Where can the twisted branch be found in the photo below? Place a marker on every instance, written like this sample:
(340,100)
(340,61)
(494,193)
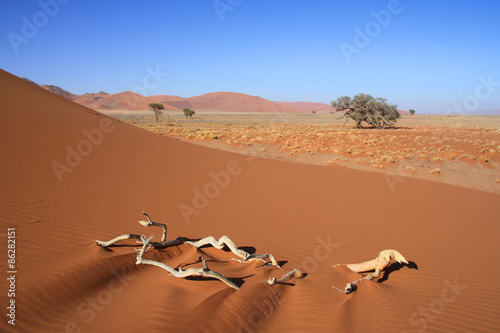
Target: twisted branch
(224,240)
(180,273)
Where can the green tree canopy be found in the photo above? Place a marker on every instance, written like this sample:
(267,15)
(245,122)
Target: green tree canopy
(365,108)
(188,113)
(157,108)
(412,112)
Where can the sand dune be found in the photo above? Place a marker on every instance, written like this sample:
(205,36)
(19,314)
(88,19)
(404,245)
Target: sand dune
(71,175)
(126,100)
(227,101)
(307,106)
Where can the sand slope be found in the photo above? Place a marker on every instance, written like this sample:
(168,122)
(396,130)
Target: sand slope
(310,217)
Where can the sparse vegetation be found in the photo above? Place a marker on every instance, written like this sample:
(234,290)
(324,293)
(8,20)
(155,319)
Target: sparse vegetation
(409,168)
(412,112)
(422,146)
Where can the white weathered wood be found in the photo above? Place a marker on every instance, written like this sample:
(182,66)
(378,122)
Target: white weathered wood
(117,239)
(224,240)
(294,273)
(149,223)
(180,273)
(378,264)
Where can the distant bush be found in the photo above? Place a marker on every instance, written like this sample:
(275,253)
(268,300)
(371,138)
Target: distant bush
(188,113)
(365,108)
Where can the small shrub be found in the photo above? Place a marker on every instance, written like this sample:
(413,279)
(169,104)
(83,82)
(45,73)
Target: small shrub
(409,168)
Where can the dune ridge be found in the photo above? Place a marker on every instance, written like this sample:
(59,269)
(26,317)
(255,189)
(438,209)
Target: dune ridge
(308,216)
(228,102)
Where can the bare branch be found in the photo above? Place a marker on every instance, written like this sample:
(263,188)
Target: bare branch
(149,223)
(180,273)
(224,240)
(295,273)
(117,239)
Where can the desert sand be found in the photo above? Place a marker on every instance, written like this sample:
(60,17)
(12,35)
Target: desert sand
(71,175)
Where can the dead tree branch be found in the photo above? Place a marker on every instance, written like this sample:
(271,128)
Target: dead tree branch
(224,240)
(295,273)
(148,223)
(378,264)
(180,273)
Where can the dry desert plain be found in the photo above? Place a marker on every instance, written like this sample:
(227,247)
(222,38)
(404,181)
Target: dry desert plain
(459,150)
(71,176)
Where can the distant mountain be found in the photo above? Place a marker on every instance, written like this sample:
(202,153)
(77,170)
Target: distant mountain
(59,91)
(307,106)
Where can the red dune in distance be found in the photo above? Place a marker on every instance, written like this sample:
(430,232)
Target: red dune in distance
(308,106)
(227,101)
(216,101)
(126,100)
(309,217)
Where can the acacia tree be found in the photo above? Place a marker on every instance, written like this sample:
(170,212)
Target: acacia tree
(365,108)
(157,108)
(188,113)
(412,112)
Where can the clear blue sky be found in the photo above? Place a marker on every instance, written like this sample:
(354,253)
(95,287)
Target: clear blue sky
(428,55)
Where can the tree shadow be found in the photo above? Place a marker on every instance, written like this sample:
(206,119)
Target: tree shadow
(270,264)
(388,128)
(239,281)
(247,249)
(396,267)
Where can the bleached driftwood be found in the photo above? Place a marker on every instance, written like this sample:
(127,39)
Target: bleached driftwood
(378,265)
(294,273)
(180,273)
(148,223)
(116,240)
(224,240)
